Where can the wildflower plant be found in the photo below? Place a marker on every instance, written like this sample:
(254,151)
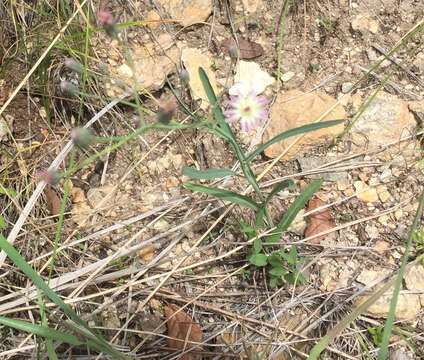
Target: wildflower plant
(250,110)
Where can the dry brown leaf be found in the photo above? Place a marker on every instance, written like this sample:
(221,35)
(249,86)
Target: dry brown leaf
(247,49)
(182,331)
(319,221)
(53,201)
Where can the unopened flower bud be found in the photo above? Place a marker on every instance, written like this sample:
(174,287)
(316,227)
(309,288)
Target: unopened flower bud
(81,137)
(167,110)
(68,88)
(51,177)
(74,65)
(106,20)
(233,52)
(184,76)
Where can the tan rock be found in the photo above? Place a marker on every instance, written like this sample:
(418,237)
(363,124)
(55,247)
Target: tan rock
(152,62)
(251,5)
(381,246)
(343,184)
(407,309)
(298,225)
(384,219)
(188,12)
(295,108)
(336,274)
(80,212)
(365,193)
(383,193)
(372,231)
(193,59)
(368,276)
(414,278)
(365,24)
(387,119)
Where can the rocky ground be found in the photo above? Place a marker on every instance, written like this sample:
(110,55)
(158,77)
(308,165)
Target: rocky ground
(129,221)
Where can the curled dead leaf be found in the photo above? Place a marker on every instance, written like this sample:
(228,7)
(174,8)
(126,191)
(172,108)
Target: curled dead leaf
(247,49)
(319,221)
(182,332)
(53,201)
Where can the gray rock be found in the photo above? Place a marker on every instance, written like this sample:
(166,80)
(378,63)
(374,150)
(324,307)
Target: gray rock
(312,163)
(5,127)
(287,76)
(372,55)
(400,354)
(346,87)
(386,120)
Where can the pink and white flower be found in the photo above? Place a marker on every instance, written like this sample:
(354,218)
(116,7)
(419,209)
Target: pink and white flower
(249,108)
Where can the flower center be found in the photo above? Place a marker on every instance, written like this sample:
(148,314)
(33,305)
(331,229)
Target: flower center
(246,110)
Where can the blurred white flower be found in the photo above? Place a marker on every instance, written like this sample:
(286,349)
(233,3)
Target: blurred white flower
(248,108)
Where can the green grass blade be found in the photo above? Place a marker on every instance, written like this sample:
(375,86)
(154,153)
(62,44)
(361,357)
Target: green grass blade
(207,174)
(293,210)
(39,330)
(216,108)
(20,262)
(292,132)
(277,188)
(383,353)
(224,195)
(44,322)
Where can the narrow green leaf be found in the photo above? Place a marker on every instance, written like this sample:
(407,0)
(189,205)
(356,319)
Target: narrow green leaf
(224,195)
(210,93)
(294,208)
(293,132)
(207,174)
(2,223)
(7,191)
(258,259)
(39,330)
(216,108)
(260,214)
(20,262)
